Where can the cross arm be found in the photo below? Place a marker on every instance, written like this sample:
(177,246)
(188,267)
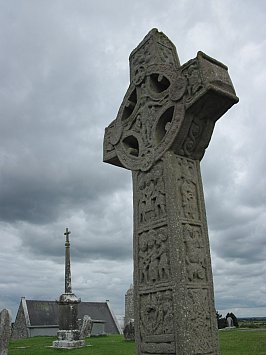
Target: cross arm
(209,95)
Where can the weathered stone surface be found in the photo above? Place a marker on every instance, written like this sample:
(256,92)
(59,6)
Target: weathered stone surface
(129,330)
(5,331)
(68,333)
(68,344)
(68,287)
(19,330)
(86,327)
(161,132)
(129,305)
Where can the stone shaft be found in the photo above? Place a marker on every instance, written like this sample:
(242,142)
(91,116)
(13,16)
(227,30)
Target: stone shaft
(68,315)
(68,333)
(68,287)
(174,307)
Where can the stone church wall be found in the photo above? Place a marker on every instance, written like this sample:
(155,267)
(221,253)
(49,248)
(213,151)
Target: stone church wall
(19,330)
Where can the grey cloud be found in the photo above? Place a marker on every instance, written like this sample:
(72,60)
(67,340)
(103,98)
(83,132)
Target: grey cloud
(64,71)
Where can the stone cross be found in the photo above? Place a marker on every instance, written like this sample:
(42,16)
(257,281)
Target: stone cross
(162,129)
(68,334)
(68,287)
(5,331)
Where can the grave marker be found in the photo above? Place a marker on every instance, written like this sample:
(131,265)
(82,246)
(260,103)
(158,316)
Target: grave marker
(5,331)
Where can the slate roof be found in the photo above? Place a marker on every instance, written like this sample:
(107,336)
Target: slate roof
(46,313)
(42,312)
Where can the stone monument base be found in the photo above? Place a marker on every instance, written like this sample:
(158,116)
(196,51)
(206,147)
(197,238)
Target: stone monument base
(68,344)
(68,339)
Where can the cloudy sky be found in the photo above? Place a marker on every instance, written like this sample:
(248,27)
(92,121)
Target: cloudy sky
(63,74)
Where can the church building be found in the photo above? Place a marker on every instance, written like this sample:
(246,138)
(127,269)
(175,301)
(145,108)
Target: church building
(40,318)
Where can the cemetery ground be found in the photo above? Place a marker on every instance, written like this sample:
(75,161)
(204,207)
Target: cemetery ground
(232,342)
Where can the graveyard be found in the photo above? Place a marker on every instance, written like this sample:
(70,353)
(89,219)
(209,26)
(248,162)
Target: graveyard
(161,132)
(235,342)
(160,137)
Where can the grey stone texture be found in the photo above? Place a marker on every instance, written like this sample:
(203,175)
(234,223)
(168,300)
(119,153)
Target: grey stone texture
(68,333)
(129,330)
(20,329)
(161,132)
(68,287)
(129,305)
(5,331)
(86,327)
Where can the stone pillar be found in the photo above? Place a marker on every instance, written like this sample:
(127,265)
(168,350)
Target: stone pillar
(5,331)
(129,305)
(174,299)
(68,333)
(161,132)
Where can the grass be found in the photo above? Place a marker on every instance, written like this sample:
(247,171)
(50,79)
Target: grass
(108,345)
(233,342)
(237,342)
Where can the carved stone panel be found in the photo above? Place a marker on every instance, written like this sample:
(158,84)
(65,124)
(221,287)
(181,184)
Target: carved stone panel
(191,72)
(156,316)
(154,266)
(195,254)
(199,325)
(151,196)
(187,190)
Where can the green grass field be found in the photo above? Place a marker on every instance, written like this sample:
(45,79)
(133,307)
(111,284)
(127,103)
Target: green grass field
(234,342)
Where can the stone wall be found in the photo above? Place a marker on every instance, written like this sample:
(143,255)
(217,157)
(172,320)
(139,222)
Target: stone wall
(19,330)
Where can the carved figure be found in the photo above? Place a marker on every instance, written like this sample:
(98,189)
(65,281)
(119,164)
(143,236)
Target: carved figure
(143,261)
(154,257)
(160,203)
(188,199)
(187,169)
(149,197)
(168,313)
(152,203)
(194,80)
(157,313)
(195,260)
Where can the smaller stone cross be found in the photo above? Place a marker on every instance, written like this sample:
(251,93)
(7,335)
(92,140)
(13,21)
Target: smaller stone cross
(68,288)
(68,333)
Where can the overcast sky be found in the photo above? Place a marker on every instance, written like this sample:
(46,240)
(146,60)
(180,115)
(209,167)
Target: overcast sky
(63,74)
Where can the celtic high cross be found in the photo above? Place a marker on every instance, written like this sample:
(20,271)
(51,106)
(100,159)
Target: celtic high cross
(161,132)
